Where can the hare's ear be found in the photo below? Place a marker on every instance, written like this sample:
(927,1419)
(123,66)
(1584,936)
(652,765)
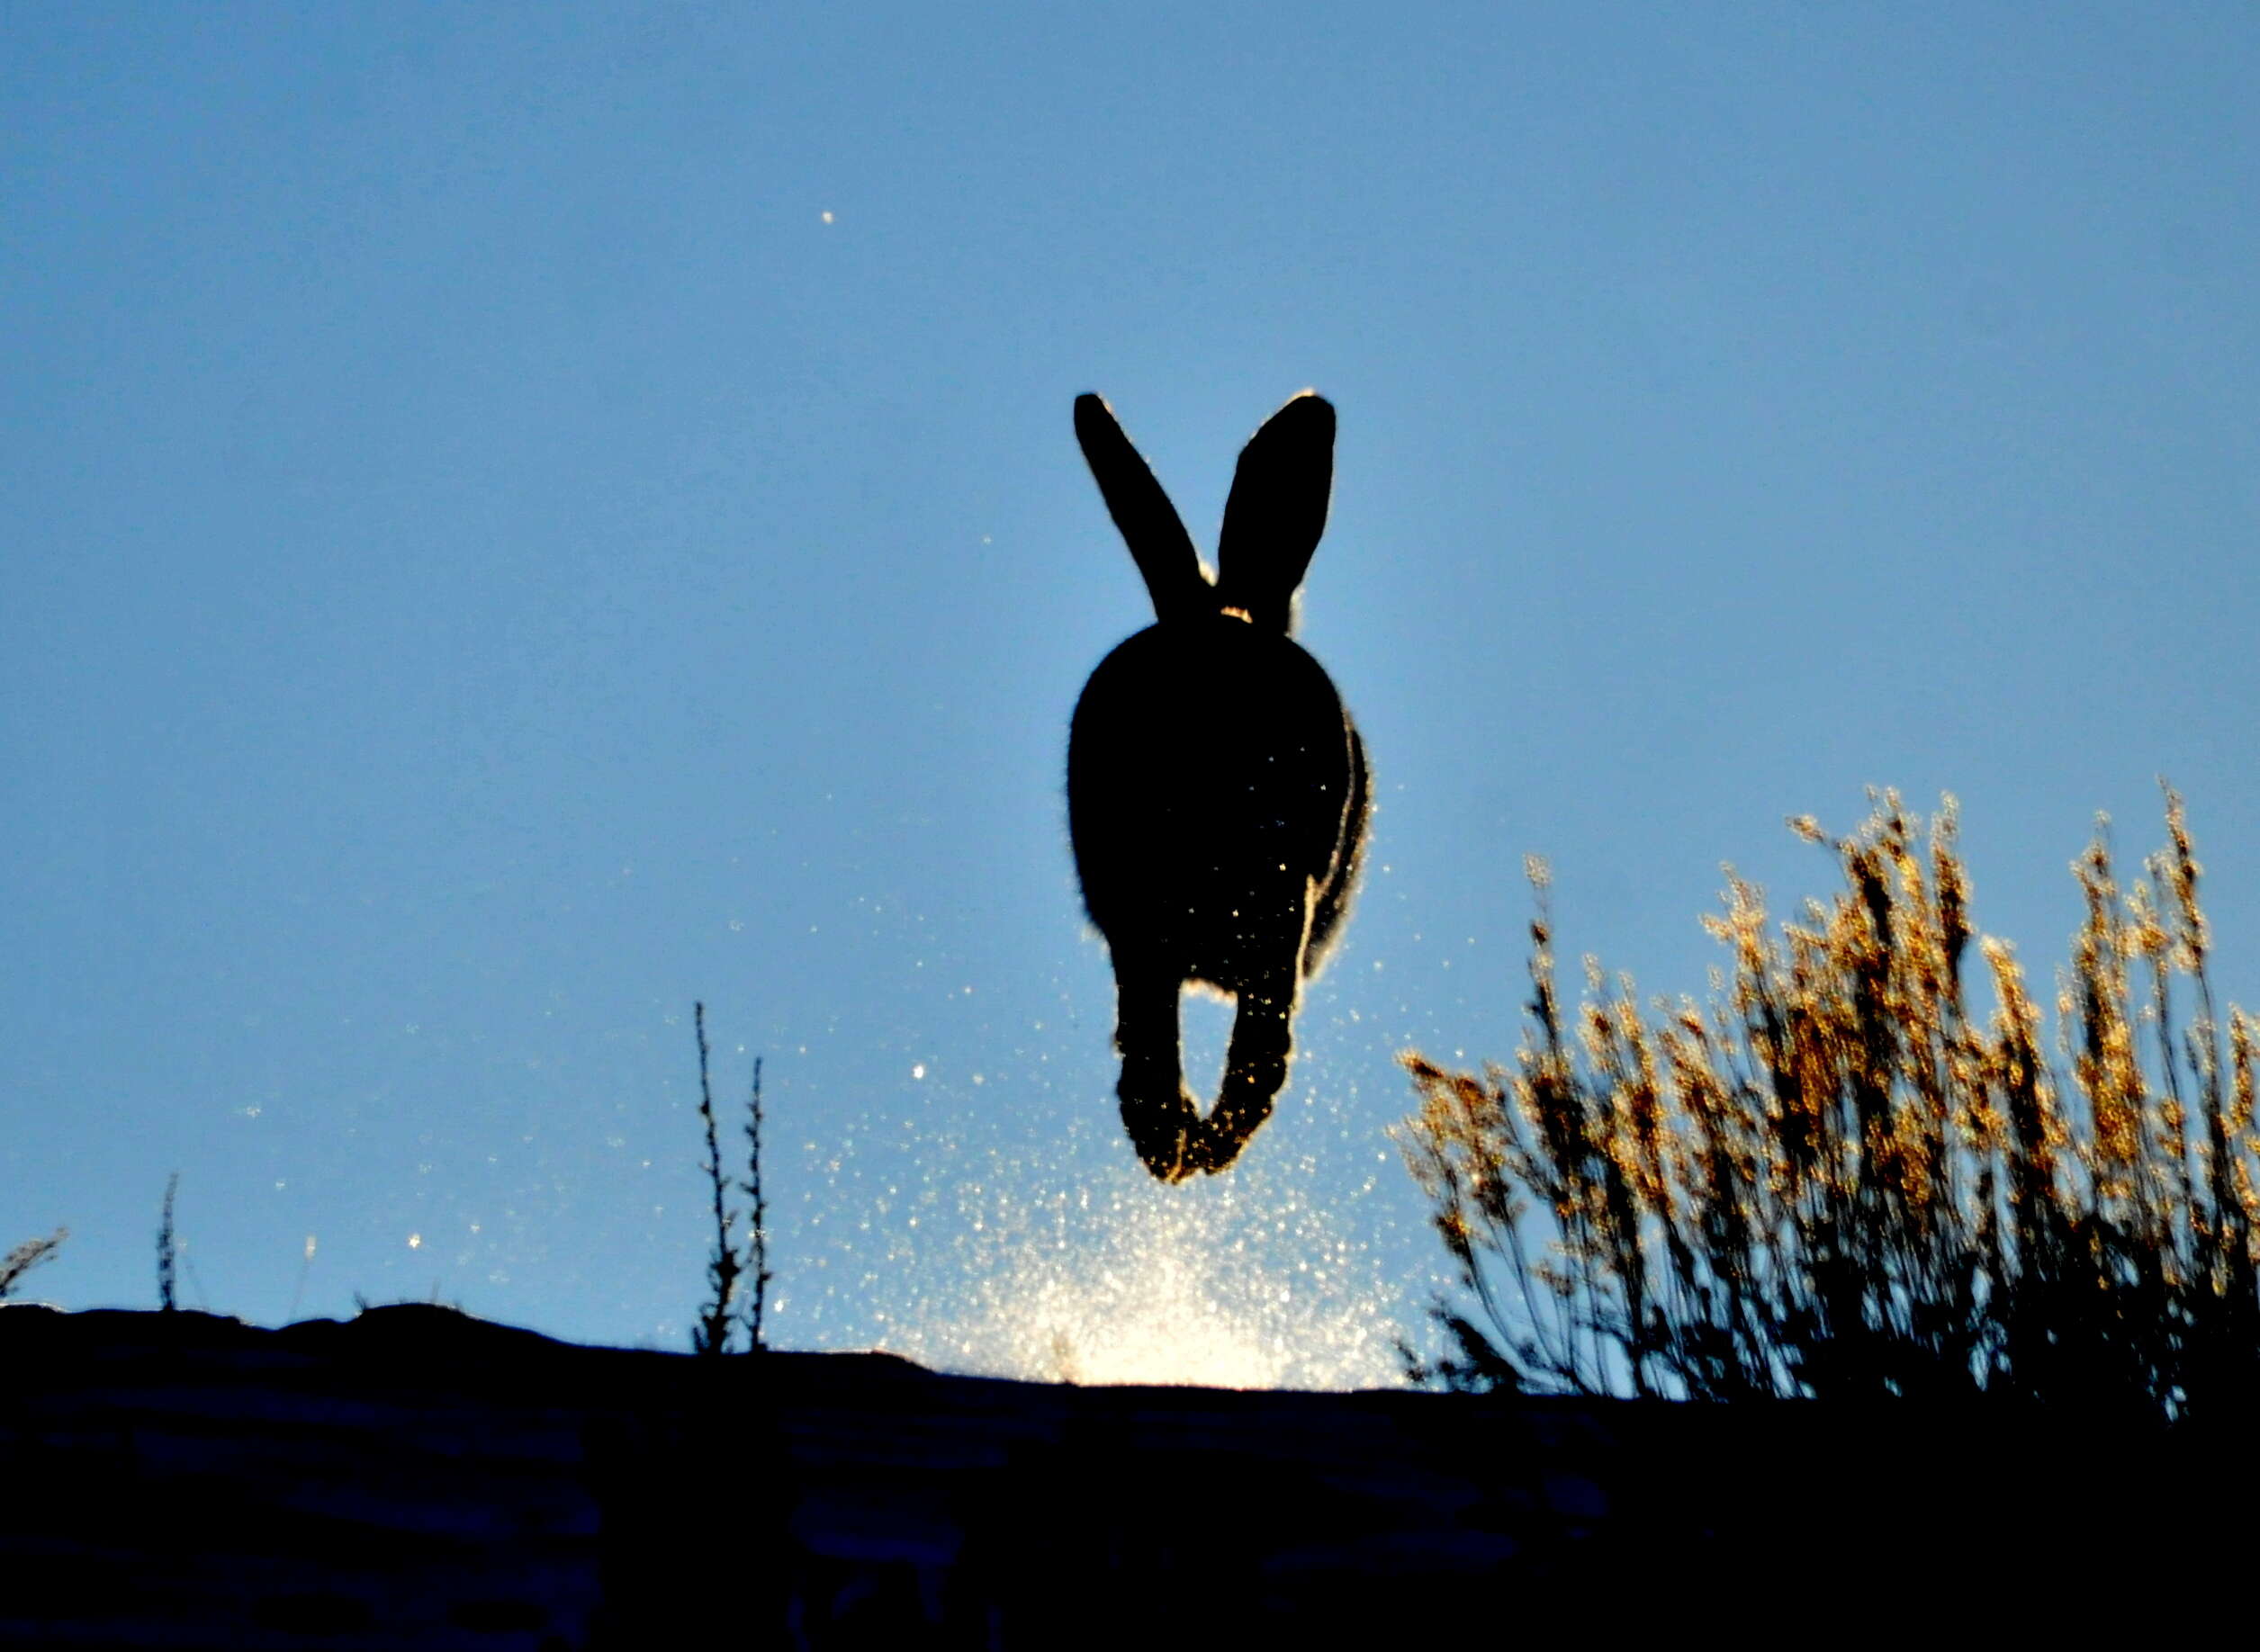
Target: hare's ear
(1148,522)
(1277,511)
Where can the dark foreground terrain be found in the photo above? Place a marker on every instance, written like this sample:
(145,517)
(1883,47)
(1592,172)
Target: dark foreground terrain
(418,1478)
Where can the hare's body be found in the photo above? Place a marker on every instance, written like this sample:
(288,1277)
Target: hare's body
(1205,834)
(1216,788)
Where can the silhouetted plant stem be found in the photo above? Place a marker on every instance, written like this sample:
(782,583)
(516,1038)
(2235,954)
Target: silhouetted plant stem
(757,1240)
(165,1248)
(711,1336)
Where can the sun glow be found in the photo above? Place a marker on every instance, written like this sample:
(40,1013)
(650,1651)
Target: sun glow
(1221,1287)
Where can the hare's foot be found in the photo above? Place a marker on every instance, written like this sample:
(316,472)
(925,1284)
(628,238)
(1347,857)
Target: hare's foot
(1255,1071)
(1220,1137)
(1158,1114)
(1163,1123)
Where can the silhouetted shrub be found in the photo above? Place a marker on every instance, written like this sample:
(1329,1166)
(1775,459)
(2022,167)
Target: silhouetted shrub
(1830,1182)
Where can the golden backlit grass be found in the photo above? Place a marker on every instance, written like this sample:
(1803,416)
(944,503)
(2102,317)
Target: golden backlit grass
(1829,1181)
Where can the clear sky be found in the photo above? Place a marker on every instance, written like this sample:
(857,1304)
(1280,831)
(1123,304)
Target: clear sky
(515,520)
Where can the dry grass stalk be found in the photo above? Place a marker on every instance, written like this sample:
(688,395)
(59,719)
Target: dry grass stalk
(167,1247)
(27,1256)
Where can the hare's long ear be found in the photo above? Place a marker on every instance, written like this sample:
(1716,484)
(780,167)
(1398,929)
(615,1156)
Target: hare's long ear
(1277,511)
(1148,522)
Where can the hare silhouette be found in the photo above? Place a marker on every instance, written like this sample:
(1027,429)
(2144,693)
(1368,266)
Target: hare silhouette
(1217,789)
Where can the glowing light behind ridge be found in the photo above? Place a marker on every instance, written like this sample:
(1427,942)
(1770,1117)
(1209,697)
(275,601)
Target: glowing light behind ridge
(1243,1282)
(1173,1294)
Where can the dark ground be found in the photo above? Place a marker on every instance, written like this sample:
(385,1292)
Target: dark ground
(416,1478)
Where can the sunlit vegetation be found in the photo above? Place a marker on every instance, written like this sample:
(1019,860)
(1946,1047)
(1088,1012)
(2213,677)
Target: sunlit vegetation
(1829,1181)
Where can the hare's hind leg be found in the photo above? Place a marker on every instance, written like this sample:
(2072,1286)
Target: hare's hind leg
(1158,1114)
(1255,1069)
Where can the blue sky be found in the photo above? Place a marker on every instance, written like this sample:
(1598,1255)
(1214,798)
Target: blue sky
(519,518)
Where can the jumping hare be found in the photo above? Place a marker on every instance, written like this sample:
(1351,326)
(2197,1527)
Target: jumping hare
(1217,791)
